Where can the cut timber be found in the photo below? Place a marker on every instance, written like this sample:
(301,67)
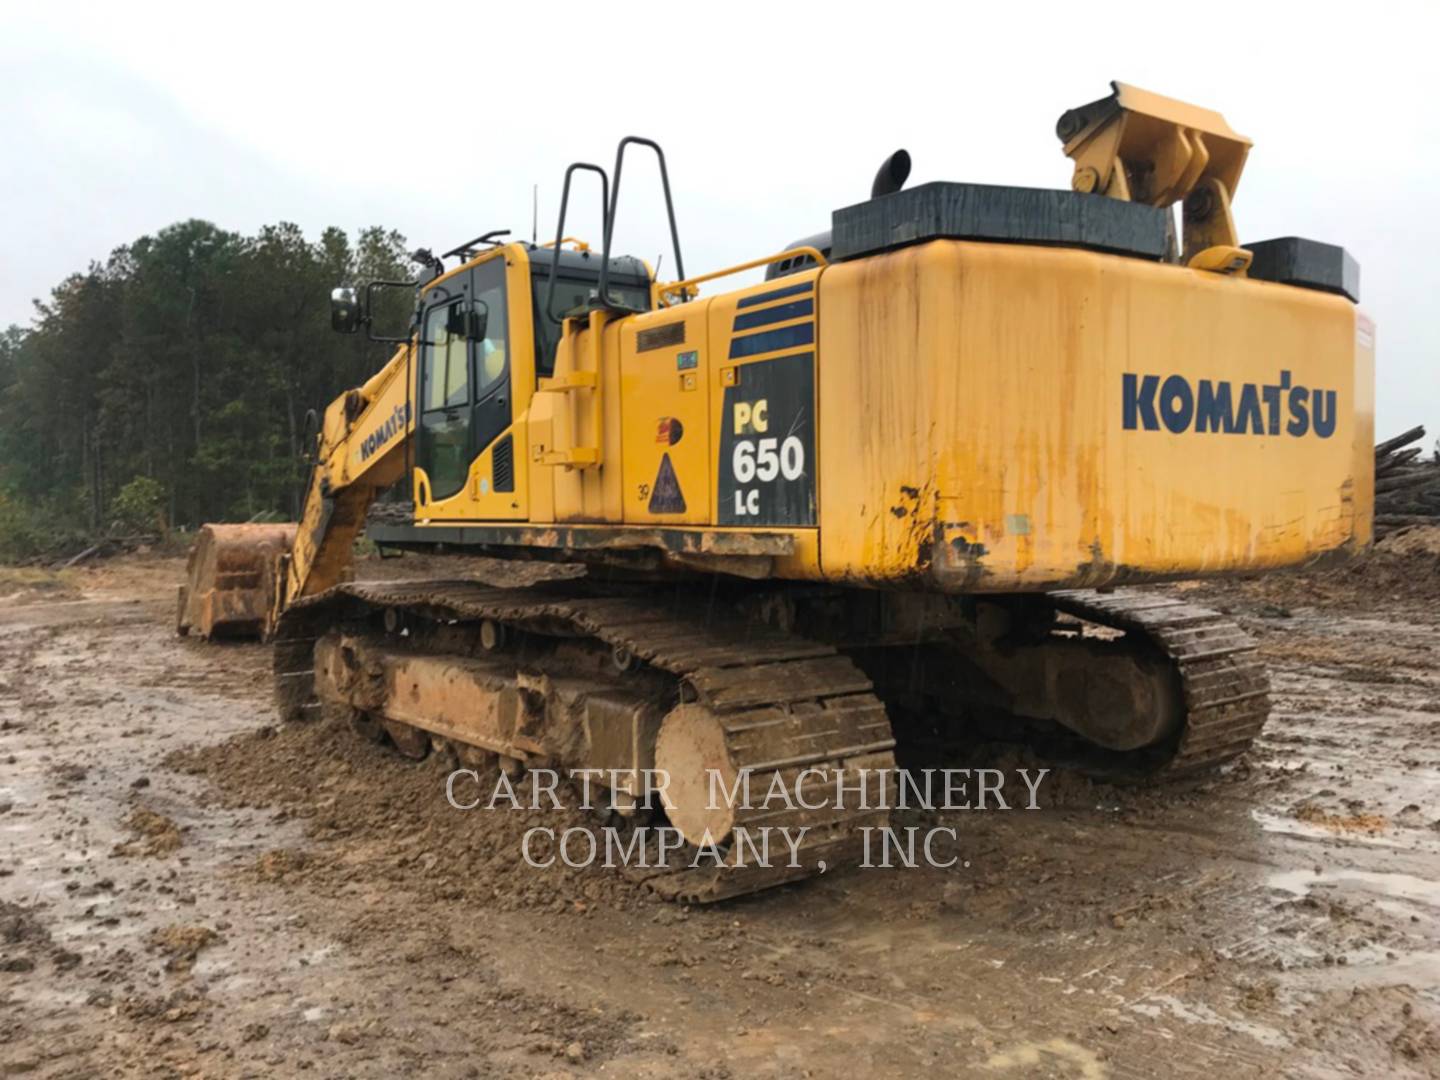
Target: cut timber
(1407,484)
(1405,438)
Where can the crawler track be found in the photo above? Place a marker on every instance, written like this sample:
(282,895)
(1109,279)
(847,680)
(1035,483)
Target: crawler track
(1225,686)
(786,703)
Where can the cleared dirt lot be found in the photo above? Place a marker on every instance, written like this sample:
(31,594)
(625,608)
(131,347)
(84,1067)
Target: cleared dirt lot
(188,888)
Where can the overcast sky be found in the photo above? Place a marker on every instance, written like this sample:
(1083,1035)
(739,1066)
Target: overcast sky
(118,119)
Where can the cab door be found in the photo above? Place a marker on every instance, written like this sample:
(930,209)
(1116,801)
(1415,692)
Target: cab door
(443,451)
(490,377)
(466,467)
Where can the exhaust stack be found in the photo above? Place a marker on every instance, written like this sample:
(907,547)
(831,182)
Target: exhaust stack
(894,171)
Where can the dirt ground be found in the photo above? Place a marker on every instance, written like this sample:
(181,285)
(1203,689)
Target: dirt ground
(189,888)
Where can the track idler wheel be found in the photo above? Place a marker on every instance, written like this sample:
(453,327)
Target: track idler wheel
(690,749)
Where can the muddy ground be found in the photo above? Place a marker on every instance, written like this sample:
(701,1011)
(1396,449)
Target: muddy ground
(189,888)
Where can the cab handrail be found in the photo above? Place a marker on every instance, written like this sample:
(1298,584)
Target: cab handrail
(690,286)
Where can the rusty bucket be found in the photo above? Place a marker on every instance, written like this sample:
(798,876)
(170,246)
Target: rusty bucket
(230,579)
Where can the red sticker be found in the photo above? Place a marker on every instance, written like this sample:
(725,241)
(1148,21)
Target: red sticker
(669,431)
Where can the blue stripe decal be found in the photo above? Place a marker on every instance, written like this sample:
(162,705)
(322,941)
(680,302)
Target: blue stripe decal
(766,297)
(792,310)
(770,340)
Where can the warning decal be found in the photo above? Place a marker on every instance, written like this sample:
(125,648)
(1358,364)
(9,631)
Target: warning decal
(665,497)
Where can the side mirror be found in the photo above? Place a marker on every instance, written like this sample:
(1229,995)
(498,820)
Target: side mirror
(476,322)
(469,323)
(344,310)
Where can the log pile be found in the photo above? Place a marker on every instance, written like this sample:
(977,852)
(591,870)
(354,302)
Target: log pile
(1407,484)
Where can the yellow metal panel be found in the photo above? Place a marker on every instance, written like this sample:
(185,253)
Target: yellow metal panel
(522,333)
(1362,463)
(585,494)
(973,407)
(665,388)
(477,501)
(539,432)
(804,563)
(604,500)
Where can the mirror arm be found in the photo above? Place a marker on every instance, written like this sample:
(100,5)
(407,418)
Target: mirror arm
(367,318)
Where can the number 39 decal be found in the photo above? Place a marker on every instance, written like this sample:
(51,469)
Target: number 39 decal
(760,461)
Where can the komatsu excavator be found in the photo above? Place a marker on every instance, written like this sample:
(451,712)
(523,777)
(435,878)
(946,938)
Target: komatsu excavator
(897,480)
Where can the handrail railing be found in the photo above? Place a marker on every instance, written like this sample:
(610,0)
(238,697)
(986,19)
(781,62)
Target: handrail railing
(614,202)
(689,287)
(560,236)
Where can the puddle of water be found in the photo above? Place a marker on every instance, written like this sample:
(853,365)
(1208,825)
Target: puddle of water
(1399,886)
(1419,970)
(1289,826)
(1158,1005)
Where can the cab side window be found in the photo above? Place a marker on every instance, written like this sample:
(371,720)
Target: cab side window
(446,379)
(491,355)
(445,398)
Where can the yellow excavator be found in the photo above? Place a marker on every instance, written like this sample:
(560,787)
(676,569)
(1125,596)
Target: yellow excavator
(893,486)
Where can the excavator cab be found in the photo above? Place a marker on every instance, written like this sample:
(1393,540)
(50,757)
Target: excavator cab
(487,335)
(471,388)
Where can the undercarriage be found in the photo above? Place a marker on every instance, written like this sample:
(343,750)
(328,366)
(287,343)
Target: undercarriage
(712,690)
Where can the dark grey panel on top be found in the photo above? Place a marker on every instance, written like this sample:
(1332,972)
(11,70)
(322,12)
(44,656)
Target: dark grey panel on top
(943,210)
(1293,260)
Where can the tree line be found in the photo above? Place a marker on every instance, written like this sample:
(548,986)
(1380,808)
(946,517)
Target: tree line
(171,381)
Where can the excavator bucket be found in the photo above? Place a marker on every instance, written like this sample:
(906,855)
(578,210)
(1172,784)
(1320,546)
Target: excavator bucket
(230,580)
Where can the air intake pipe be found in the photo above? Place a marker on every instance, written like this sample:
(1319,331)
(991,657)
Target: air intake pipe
(894,171)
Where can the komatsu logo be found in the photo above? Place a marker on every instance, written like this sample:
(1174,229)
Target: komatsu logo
(392,426)
(1149,401)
